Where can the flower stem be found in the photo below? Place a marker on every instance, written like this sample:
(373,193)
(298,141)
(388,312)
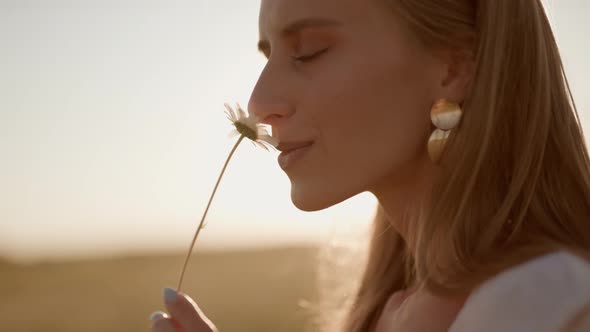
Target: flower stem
(205,214)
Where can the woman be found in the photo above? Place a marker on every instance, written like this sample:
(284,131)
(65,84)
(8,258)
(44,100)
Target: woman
(457,116)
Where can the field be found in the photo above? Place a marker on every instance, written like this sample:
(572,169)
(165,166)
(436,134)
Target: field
(256,290)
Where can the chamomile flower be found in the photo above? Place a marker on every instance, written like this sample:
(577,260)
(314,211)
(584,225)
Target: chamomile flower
(248,125)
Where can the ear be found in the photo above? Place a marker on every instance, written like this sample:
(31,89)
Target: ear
(458,75)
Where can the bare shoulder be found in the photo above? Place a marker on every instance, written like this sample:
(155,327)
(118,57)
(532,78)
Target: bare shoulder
(542,294)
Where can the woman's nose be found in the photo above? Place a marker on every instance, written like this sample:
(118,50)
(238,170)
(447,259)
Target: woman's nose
(268,100)
(270,113)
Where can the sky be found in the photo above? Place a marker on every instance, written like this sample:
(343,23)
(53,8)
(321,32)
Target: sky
(113,132)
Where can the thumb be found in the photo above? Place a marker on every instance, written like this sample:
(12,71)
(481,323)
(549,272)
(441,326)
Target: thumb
(186,312)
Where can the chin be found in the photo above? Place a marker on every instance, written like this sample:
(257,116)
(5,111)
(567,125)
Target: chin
(315,199)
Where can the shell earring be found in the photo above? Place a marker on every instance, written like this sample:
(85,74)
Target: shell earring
(445,115)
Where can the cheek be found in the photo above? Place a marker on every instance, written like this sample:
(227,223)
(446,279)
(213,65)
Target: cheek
(372,117)
(378,108)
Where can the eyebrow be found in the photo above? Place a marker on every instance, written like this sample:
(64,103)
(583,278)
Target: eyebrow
(296,26)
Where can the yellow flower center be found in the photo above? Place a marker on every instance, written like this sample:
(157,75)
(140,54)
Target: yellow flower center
(246,131)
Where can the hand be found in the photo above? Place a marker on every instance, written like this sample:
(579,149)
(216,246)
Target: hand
(185,315)
(418,311)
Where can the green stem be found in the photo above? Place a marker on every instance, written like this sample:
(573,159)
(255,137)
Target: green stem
(205,214)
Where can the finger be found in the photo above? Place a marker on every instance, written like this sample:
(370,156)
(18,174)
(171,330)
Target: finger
(162,323)
(186,312)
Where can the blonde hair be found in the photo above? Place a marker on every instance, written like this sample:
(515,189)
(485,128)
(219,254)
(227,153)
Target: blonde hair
(515,177)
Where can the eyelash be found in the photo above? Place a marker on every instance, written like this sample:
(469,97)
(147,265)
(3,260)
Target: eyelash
(308,58)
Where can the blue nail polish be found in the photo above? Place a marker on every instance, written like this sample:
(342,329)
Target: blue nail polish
(157,315)
(170,295)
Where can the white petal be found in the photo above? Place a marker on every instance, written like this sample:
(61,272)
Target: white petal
(262,145)
(269,139)
(233,134)
(263,131)
(231,112)
(251,123)
(255,118)
(242,113)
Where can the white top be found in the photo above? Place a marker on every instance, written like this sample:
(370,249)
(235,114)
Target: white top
(543,294)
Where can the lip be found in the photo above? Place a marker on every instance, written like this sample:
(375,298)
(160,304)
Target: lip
(292,153)
(290,146)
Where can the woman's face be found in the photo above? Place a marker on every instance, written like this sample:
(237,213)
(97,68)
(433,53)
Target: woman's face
(364,99)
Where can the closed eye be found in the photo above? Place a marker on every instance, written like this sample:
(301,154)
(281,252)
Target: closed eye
(308,58)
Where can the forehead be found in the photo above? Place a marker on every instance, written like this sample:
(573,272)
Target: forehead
(274,14)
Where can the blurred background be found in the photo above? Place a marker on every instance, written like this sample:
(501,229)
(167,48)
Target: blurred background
(112,135)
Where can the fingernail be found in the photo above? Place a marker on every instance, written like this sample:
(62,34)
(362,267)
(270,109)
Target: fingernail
(170,295)
(157,315)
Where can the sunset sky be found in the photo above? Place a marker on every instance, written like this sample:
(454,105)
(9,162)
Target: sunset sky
(112,131)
